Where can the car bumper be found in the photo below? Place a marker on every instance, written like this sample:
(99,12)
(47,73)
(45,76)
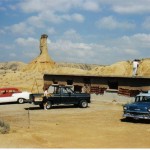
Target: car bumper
(34,102)
(137,116)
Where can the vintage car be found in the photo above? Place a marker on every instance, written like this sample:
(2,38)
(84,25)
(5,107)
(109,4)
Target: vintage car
(13,95)
(61,95)
(140,109)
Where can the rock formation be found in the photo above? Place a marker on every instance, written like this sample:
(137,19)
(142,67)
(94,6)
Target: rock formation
(144,67)
(43,63)
(123,68)
(30,76)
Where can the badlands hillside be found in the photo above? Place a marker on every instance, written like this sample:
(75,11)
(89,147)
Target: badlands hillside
(29,76)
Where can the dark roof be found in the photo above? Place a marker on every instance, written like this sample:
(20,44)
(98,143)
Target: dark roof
(101,76)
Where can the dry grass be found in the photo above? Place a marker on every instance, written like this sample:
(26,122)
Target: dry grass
(4,127)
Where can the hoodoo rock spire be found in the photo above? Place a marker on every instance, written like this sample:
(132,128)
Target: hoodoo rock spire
(43,63)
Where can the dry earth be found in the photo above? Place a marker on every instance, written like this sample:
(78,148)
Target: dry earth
(24,76)
(98,126)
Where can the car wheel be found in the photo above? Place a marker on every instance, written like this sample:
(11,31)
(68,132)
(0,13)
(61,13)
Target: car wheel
(48,105)
(20,100)
(83,104)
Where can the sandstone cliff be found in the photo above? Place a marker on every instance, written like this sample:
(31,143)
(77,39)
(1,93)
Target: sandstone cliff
(123,68)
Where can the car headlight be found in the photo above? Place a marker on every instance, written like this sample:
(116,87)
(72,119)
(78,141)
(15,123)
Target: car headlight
(125,108)
(148,109)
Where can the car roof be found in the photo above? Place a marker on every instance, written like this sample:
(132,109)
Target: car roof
(57,85)
(144,94)
(9,89)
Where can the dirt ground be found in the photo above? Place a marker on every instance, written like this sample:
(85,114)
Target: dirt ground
(98,126)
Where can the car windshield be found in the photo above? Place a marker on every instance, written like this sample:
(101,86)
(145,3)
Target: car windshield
(67,90)
(142,99)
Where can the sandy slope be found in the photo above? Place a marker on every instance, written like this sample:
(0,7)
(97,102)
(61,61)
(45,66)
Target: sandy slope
(25,78)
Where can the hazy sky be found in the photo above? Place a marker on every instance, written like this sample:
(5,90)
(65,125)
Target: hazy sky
(79,31)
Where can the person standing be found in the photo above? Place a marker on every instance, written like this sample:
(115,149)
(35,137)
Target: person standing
(45,98)
(135,67)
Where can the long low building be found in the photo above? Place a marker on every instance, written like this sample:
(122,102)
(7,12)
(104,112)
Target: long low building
(98,84)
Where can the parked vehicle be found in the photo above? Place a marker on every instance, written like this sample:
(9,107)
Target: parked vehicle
(140,109)
(13,95)
(61,95)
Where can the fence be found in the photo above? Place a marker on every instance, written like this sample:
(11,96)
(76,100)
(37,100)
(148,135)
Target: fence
(97,90)
(127,92)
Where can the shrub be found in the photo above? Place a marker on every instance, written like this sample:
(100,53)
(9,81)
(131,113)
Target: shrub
(4,127)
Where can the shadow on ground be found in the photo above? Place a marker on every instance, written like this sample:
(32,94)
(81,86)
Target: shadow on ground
(140,121)
(53,107)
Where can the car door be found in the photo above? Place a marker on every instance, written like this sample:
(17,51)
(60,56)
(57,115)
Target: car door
(6,96)
(68,96)
(56,96)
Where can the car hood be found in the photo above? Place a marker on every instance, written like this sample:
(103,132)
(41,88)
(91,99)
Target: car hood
(138,106)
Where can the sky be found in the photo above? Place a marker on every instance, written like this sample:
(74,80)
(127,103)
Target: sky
(79,31)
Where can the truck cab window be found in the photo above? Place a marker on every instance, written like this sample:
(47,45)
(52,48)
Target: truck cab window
(65,91)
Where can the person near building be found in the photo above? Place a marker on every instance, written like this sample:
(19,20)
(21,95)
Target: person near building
(135,67)
(45,98)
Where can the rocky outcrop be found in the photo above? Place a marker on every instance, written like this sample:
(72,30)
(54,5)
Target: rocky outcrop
(123,68)
(144,67)
(12,66)
(77,65)
(43,63)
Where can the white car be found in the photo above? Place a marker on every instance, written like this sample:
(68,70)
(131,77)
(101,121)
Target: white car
(13,95)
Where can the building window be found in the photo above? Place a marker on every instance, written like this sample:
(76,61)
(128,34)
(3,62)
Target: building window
(77,88)
(69,82)
(113,85)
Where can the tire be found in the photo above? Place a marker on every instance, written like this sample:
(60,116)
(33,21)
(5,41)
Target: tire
(20,100)
(48,105)
(84,104)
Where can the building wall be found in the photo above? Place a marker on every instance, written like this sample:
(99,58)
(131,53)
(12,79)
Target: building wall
(99,82)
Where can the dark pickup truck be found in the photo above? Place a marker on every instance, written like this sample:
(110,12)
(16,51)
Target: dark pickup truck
(61,95)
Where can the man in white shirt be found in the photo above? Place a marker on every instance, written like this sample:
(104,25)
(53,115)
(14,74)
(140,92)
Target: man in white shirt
(45,92)
(45,98)
(135,67)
